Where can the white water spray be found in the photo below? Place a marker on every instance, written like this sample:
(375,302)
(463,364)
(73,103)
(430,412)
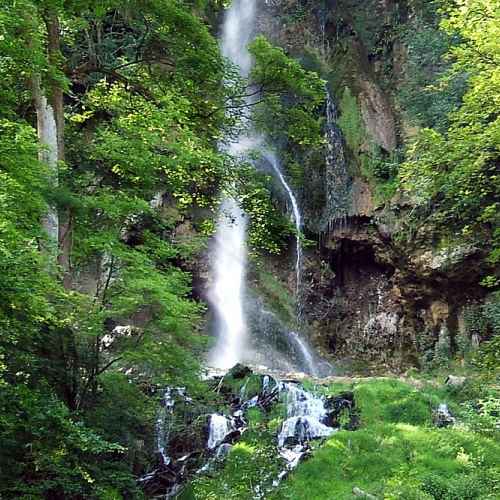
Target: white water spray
(230,249)
(228,289)
(218,428)
(306,414)
(305,353)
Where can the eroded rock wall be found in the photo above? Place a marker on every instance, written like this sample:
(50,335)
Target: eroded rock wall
(374,290)
(388,303)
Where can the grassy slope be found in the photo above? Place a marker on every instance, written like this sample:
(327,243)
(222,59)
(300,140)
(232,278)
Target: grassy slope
(396,454)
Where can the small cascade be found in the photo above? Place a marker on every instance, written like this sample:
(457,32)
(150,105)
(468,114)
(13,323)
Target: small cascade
(337,177)
(169,470)
(442,416)
(300,402)
(218,428)
(306,414)
(183,454)
(162,425)
(309,417)
(301,430)
(164,419)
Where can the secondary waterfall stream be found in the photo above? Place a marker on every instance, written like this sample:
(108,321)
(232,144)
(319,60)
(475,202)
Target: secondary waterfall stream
(228,292)
(338,184)
(297,219)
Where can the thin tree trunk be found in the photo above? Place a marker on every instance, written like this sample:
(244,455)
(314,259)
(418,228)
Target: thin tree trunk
(57,96)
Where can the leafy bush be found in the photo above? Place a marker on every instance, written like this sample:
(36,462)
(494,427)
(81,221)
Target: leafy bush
(483,416)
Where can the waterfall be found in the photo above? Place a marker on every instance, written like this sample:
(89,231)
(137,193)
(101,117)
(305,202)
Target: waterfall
(305,352)
(228,290)
(308,361)
(297,219)
(237,33)
(227,293)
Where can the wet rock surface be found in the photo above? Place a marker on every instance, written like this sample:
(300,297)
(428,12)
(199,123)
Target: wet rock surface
(442,416)
(185,451)
(387,304)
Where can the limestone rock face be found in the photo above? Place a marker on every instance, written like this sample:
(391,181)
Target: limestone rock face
(388,301)
(443,260)
(377,115)
(362,199)
(374,288)
(440,312)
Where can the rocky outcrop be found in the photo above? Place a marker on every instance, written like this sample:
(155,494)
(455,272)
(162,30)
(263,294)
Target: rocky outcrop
(377,114)
(187,449)
(373,289)
(390,301)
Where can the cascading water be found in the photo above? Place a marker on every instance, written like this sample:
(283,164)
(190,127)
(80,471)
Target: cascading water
(297,219)
(228,291)
(305,351)
(230,248)
(218,428)
(306,413)
(305,416)
(308,359)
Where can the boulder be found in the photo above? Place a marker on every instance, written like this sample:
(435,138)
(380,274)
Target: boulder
(239,371)
(342,404)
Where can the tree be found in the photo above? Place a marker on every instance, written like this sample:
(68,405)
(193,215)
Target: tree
(459,168)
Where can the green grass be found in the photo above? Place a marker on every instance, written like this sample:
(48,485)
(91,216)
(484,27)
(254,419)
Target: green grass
(398,454)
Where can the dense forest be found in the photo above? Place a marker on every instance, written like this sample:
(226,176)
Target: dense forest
(308,188)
